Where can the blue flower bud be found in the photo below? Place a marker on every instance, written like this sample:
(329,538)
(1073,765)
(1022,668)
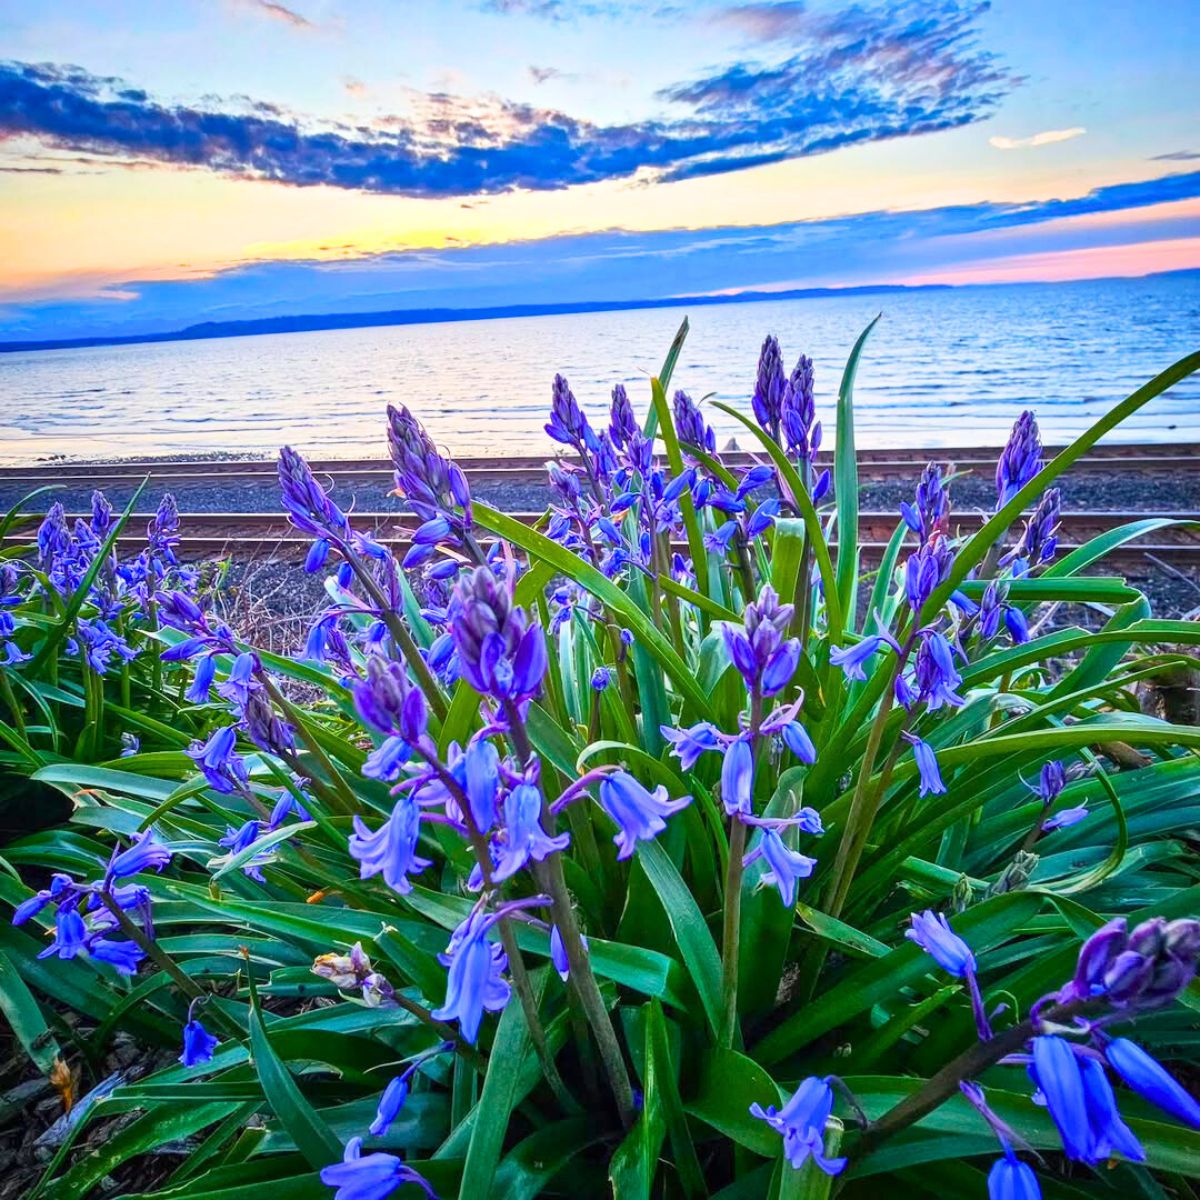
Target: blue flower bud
(1151,1080)
(931,931)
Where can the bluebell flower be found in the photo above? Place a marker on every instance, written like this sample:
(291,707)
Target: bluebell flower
(1151,1080)
(500,653)
(390,1104)
(1055,1070)
(124,956)
(392,850)
(786,865)
(70,935)
(240,681)
(475,981)
(370,1176)
(1110,1134)
(198,1044)
(926,570)
(284,807)
(737,778)
(769,387)
(385,760)
(640,815)
(147,853)
(523,837)
(61,886)
(689,744)
(931,506)
(623,425)
(1018,626)
(935,674)
(201,685)
(601,678)
(222,767)
(1065,818)
(690,424)
(800,428)
(237,840)
(931,931)
(852,658)
(927,766)
(801,1122)
(764,656)
(481,782)
(388,702)
(796,739)
(1012,1179)
(309,507)
(1020,460)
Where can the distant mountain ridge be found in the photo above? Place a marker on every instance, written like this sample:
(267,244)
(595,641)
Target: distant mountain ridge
(307,323)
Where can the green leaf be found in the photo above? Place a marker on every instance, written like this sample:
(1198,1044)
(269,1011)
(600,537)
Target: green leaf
(314,1139)
(529,1167)
(225,863)
(845,471)
(983,926)
(25,1018)
(688,925)
(499,1095)
(664,375)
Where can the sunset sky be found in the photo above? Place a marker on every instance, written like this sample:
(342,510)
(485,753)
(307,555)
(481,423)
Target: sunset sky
(164,164)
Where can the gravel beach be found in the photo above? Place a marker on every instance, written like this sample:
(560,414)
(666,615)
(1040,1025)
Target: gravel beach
(277,601)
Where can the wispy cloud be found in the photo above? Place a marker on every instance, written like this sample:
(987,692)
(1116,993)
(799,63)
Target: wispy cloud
(859,76)
(280,12)
(1047,137)
(1178,156)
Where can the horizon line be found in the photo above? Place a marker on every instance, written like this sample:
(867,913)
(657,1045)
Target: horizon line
(441,315)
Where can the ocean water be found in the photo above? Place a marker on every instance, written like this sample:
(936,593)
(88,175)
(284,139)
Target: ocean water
(950,367)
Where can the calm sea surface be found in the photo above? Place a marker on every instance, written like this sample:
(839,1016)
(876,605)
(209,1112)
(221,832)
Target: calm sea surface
(942,368)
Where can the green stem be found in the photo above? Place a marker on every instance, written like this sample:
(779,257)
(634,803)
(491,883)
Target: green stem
(731,935)
(162,959)
(401,636)
(10,698)
(944,1084)
(550,876)
(348,800)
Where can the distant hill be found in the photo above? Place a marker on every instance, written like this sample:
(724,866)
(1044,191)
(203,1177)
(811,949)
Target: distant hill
(306,323)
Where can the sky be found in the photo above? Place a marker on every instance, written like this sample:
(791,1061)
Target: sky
(167,164)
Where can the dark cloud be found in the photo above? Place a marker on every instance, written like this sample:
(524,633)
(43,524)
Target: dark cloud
(858,76)
(1177,156)
(544,74)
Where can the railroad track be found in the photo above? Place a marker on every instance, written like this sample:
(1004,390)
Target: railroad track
(1175,460)
(267,535)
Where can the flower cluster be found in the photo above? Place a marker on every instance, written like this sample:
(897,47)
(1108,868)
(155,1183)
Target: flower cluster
(1119,974)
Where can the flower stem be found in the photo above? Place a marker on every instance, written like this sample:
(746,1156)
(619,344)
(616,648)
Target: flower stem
(940,1087)
(549,874)
(731,935)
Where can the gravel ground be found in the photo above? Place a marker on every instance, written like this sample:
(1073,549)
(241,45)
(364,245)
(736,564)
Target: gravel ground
(1097,490)
(276,601)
